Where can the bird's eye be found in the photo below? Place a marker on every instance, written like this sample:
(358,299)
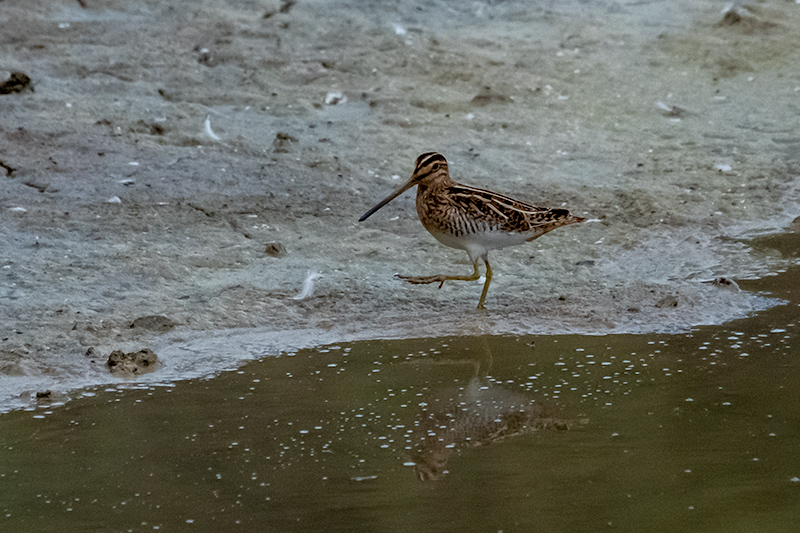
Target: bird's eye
(436,166)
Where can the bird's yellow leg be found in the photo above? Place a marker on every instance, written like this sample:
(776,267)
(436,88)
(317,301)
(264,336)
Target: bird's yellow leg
(441,278)
(486,284)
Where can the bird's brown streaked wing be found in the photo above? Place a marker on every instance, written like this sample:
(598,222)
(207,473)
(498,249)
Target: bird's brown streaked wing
(506,213)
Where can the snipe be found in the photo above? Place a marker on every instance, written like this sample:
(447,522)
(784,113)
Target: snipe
(472,219)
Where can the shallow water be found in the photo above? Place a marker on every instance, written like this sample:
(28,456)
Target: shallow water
(692,432)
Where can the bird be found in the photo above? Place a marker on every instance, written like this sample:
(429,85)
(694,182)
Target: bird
(471,219)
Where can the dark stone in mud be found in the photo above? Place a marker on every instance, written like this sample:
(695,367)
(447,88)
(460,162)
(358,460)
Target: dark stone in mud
(726,283)
(16,83)
(46,397)
(154,323)
(668,301)
(8,168)
(487,97)
(282,142)
(730,18)
(286,6)
(744,19)
(275,249)
(131,364)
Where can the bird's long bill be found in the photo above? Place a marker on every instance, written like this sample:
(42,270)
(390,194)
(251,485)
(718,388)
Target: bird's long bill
(388,199)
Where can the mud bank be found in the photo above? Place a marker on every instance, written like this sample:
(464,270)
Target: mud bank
(179,159)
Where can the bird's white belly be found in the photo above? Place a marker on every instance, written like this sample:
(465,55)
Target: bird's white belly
(479,243)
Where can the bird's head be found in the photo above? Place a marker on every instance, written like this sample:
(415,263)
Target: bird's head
(428,168)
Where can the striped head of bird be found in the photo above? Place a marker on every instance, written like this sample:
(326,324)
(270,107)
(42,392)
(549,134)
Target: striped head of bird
(430,169)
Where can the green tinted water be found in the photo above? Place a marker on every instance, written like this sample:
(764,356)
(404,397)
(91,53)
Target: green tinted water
(688,432)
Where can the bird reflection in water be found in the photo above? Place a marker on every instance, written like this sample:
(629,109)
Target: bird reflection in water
(480,413)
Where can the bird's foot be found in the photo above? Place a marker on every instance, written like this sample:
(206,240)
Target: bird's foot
(422,280)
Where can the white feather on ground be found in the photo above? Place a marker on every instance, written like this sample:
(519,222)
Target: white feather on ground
(308,286)
(209,131)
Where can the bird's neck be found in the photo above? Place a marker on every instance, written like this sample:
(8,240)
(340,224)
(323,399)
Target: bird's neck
(432,194)
(440,182)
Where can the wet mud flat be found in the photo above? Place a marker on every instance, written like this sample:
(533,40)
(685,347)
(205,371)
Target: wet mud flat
(693,431)
(197,160)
